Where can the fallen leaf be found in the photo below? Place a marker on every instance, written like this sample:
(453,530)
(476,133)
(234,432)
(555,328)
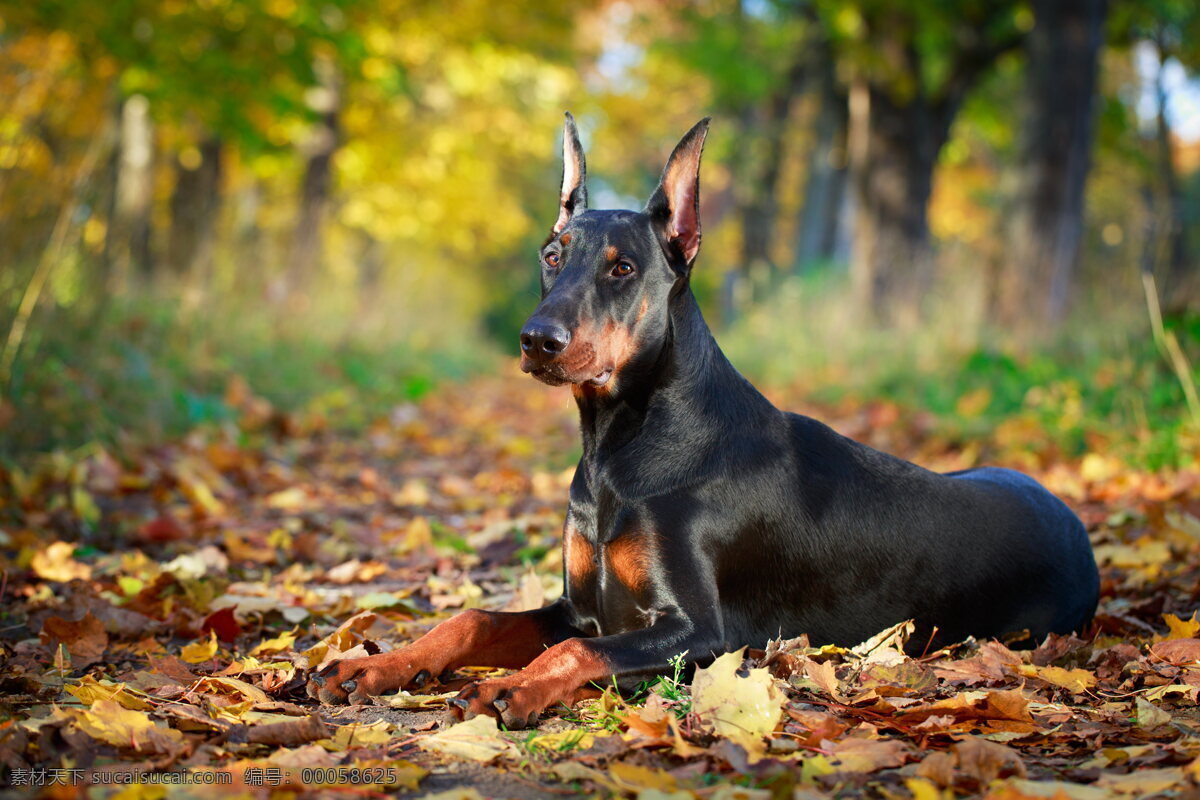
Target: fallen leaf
(57,563)
(477,739)
(865,755)
(887,646)
(109,722)
(283,641)
(633,777)
(223,624)
(1073,680)
(1143,782)
(403,699)
(1180,628)
(1178,651)
(459,793)
(1150,716)
(359,734)
(823,674)
(89,691)
(986,761)
(742,709)
(85,639)
(287,733)
(233,688)
(200,650)
(993,663)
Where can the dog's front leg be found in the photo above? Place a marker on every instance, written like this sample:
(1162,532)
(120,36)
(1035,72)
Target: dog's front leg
(560,673)
(473,638)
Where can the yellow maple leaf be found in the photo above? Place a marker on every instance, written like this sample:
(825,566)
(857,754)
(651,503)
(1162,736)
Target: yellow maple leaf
(477,739)
(232,687)
(283,641)
(200,650)
(743,709)
(361,734)
(1076,681)
(638,778)
(90,690)
(110,722)
(1182,628)
(57,563)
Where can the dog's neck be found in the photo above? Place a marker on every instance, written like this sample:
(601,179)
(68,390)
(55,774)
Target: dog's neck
(683,374)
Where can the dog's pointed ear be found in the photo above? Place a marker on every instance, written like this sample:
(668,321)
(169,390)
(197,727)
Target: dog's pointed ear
(676,201)
(572,199)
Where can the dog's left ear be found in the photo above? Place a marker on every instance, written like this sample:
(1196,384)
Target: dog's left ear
(572,199)
(676,201)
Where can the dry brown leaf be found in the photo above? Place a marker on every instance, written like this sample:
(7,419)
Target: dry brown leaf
(986,761)
(866,755)
(85,639)
(1178,651)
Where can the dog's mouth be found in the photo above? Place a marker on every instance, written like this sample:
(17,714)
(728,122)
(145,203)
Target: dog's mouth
(555,375)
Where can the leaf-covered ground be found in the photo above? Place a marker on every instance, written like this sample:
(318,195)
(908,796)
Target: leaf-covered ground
(162,605)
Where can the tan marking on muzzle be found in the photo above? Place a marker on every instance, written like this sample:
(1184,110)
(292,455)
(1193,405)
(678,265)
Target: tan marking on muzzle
(593,349)
(615,346)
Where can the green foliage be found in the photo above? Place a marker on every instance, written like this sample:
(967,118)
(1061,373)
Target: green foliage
(148,369)
(235,68)
(1099,388)
(442,183)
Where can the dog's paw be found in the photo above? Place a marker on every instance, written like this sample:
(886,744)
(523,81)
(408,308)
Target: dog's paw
(515,705)
(356,680)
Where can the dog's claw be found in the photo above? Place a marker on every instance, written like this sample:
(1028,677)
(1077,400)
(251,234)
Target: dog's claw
(318,679)
(459,703)
(349,686)
(420,679)
(501,705)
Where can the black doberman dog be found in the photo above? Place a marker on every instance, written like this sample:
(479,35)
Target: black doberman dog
(702,518)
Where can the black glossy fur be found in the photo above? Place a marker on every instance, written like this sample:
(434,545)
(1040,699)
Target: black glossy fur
(750,522)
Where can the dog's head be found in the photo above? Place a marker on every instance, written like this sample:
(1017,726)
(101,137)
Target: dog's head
(608,276)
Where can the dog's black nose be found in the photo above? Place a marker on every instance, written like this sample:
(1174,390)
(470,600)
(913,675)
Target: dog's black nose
(542,340)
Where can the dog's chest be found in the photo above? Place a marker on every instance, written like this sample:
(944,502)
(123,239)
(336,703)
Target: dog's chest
(611,572)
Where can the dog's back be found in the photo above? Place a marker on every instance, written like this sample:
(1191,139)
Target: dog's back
(867,539)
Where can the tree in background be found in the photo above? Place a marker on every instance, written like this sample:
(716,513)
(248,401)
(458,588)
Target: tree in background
(341,154)
(1054,156)
(911,66)
(1162,35)
(821,223)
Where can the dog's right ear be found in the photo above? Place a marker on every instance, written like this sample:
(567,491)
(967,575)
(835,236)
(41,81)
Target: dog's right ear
(572,199)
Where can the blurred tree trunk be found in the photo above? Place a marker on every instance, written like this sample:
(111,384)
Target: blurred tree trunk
(127,240)
(1045,229)
(897,127)
(1179,284)
(893,150)
(825,183)
(195,202)
(317,185)
(766,131)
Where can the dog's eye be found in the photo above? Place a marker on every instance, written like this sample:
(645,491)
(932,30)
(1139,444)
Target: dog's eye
(552,260)
(622,269)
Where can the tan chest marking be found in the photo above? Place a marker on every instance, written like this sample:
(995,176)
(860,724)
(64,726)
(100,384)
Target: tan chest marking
(631,558)
(580,555)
